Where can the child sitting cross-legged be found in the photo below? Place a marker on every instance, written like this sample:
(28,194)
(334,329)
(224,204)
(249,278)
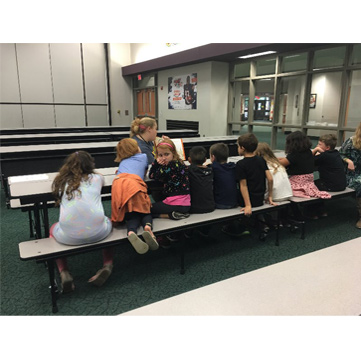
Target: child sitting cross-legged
(170,170)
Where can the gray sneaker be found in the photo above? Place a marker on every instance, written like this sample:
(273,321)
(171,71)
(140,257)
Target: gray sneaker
(175,215)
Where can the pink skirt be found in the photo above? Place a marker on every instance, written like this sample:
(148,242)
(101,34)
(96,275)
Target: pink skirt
(303,186)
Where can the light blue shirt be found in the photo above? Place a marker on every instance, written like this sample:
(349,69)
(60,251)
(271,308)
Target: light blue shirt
(136,164)
(82,219)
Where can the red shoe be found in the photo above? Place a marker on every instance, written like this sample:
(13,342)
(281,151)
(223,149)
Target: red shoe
(163,242)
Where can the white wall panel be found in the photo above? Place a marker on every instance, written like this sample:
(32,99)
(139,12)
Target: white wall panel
(67,73)
(70,116)
(38,116)
(97,115)
(10,116)
(34,73)
(94,73)
(9,83)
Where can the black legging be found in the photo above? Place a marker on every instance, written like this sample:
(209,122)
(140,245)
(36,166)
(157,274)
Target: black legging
(134,220)
(161,208)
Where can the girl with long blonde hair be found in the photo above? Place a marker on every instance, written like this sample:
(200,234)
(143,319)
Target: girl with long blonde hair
(281,185)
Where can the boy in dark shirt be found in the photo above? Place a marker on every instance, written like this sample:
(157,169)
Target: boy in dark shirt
(330,164)
(201,181)
(331,169)
(226,195)
(251,173)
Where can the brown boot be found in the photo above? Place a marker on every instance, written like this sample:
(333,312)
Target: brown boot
(358,224)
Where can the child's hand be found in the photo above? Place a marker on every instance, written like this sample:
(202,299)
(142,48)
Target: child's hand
(350,165)
(317,150)
(247,210)
(271,202)
(161,161)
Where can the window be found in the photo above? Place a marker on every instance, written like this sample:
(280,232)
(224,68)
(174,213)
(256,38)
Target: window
(294,63)
(263,133)
(241,100)
(266,67)
(353,109)
(281,137)
(264,100)
(291,100)
(356,55)
(285,92)
(242,70)
(325,99)
(332,57)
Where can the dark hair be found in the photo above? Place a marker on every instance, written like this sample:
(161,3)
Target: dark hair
(198,155)
(248,141)
(220,152)
(77,167)
(330,140)
(297,142)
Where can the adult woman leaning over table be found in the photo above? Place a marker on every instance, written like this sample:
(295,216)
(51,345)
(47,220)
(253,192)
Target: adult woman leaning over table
(144,131)
(351,154)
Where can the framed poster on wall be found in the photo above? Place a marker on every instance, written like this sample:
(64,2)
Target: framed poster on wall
(313,98)
(182,92)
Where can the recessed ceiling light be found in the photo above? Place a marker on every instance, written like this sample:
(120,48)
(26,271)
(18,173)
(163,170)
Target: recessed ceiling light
(258,54)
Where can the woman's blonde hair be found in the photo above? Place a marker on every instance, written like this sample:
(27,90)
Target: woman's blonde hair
(168,144)
(126,148)
(140,125)
(356,139)
(264,151)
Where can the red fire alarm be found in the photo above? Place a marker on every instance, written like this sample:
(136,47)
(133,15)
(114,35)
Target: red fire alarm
(139,77)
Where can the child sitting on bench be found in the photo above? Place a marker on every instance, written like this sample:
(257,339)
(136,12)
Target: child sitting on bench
(329,164)
(77,190)
(169,169)
(226,194)
(251,173)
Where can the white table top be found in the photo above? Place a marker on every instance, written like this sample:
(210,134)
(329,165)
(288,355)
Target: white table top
(324,282)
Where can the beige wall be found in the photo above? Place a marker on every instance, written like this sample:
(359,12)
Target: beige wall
(212,97)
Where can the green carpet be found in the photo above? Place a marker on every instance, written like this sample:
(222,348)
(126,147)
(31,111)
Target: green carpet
(138,280)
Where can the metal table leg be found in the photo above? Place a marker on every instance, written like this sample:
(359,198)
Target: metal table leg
(53,287)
